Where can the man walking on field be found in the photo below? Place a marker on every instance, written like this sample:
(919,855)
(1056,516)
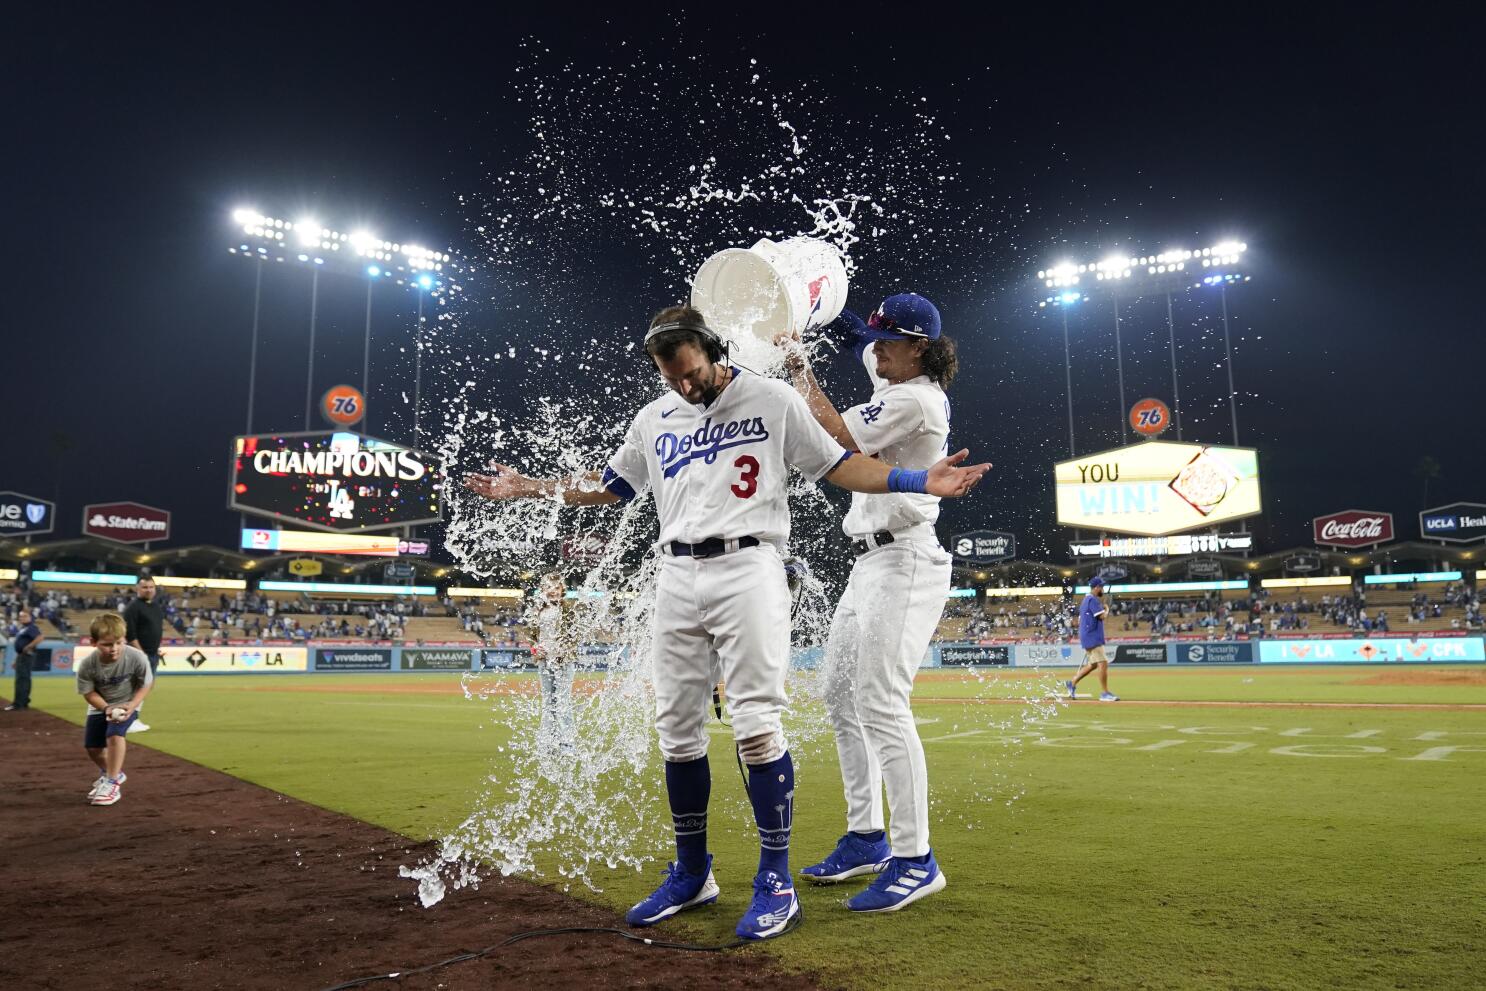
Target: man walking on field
(1091,635)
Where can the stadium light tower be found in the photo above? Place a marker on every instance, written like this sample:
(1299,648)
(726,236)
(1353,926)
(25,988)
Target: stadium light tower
(1164,273)
(359,255)
(1064,300)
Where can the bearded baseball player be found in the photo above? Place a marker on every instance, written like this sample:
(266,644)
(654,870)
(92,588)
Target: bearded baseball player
(891,604)
(716,451)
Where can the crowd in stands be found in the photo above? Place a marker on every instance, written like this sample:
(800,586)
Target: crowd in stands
(48,607)
(1256,615)
(494,628)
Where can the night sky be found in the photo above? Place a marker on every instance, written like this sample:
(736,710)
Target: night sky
(1345,148)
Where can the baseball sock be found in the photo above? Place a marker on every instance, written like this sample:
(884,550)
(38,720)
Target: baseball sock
(689,788)
(771,787)
(870,835)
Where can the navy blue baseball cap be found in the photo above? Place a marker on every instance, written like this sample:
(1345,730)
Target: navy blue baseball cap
(1095,582)
(904,317)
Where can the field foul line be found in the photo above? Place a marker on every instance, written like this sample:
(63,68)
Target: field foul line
(398,705)
(1126,703)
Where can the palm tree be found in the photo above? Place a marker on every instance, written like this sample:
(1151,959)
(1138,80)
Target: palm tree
(1428,469)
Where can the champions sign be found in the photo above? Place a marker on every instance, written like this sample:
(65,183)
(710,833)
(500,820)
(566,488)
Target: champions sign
(1158,487)
(338,481)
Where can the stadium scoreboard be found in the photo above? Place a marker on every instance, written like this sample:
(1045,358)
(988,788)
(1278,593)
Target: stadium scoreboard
(335,481)
(1155,488)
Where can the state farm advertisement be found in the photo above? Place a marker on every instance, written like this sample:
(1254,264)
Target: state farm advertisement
(126,522)
(1352,528)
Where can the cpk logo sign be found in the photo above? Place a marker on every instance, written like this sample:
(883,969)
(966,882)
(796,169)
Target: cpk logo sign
(126,522)
(1353,528)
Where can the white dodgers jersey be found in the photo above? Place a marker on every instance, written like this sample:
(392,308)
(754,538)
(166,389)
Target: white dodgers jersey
(723,470)
(907,426)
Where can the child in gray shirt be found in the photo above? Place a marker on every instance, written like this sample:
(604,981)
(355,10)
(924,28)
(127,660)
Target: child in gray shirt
(114,678)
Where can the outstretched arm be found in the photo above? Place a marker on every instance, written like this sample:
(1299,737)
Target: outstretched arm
(505,482)
(947,478)
(805,384)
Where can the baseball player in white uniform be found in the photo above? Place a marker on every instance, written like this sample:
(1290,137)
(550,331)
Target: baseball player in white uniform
(891,605)
(716,451)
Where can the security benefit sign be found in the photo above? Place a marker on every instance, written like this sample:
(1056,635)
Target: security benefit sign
(984,546)
(1158,487)
(336,481)
(232,660)
(1214,653)
(1457,523)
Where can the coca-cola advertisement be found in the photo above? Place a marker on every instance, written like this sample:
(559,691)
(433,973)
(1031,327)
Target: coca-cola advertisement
(1353,528)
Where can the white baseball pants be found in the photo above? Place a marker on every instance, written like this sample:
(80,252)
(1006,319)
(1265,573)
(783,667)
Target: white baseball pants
(879,634)
(727,614)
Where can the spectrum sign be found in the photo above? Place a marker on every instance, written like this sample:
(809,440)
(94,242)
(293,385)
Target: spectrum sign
(338,481)
(1156,488)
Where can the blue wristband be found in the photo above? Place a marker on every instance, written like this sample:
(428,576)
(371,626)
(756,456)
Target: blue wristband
(908,480)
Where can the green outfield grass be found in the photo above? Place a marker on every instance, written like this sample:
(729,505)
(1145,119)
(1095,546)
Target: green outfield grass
(1151,846)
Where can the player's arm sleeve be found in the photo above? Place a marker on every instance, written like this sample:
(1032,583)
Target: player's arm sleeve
(627,471)
(84,678)
(807,446)
(884,420)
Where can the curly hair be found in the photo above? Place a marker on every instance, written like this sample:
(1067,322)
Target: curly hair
(939,362)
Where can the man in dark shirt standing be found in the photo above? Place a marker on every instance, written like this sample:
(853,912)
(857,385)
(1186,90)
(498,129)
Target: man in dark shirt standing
(144,624)
(27,639)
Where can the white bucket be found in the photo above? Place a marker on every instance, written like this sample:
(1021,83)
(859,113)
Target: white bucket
(771,288)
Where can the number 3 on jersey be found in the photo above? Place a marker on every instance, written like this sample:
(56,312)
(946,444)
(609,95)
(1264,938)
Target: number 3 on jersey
(747,483)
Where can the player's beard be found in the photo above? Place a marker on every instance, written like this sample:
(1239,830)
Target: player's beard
(714,388)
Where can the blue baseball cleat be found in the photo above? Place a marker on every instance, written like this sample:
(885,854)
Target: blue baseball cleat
(677,893)
(903,883)
(852,857)
(1071,690)
(773,909)
(1108,697)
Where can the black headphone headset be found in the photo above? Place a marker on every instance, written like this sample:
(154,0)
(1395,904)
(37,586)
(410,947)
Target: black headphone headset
(712,344)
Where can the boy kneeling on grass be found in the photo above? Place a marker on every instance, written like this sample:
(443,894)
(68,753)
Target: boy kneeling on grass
(114,679)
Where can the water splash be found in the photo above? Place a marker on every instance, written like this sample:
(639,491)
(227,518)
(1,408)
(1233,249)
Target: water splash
(630,179)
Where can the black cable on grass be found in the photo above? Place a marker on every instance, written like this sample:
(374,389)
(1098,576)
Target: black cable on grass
(664,944)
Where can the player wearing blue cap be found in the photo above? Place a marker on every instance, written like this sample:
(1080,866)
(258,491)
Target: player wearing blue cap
(891,605)
(1091,635)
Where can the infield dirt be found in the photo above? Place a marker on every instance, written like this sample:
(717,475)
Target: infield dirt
(197,880)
